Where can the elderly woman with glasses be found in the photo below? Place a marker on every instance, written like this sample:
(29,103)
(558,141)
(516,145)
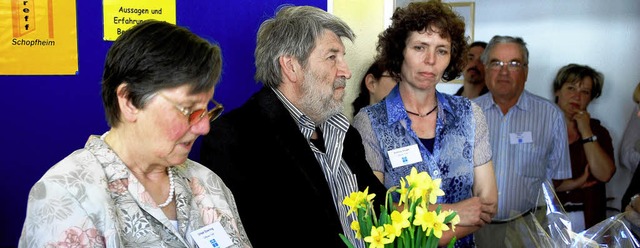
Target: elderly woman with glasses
(584,195)
(134,186)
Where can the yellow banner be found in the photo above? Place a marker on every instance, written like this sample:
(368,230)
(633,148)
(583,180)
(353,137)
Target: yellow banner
(120,15)
(41,37)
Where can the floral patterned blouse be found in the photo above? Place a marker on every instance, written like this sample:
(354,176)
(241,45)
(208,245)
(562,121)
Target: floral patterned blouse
(91,199)
(461,143)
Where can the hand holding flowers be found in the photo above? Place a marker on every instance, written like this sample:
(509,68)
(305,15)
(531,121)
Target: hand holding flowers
(410,223)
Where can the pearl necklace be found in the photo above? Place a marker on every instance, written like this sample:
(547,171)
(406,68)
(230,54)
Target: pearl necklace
(171,190)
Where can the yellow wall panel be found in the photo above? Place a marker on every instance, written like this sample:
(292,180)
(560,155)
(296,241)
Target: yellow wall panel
(366,18)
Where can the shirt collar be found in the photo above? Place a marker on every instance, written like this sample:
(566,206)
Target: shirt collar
(523,102)
(305,123)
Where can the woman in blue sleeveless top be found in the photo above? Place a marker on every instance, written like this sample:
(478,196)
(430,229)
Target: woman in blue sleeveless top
(417,126)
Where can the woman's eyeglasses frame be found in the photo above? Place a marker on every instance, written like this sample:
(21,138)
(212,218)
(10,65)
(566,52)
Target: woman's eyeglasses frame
(194,116)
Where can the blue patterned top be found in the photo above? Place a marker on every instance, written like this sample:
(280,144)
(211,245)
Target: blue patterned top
(461,143)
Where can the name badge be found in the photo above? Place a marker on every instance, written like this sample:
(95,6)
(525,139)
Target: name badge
(404,156)
(212,235)
(520,138)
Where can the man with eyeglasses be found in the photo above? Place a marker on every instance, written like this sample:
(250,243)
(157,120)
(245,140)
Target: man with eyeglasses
(528,138)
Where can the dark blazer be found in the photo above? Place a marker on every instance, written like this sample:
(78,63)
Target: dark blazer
(278,185)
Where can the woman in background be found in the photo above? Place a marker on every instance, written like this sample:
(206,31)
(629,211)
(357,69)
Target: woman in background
(590,146)
(375,85)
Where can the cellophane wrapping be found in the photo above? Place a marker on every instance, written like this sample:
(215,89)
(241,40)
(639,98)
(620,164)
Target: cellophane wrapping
(549,226)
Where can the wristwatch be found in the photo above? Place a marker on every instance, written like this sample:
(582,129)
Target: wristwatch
(589,139)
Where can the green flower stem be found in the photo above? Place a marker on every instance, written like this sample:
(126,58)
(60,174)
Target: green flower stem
(346,241)
(419,236)
(452,243)
(450,217)
(432,241)
(365,223)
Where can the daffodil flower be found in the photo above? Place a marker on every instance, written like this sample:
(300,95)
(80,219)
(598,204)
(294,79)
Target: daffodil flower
(377,238)
(454,221)
(425,219)
(393,231)
(403,192)
(401,218)
(358,200)
(399,226)
(439,226)
(435,190)
(356,227)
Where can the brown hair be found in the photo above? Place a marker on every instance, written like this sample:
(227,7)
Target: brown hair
(419,16)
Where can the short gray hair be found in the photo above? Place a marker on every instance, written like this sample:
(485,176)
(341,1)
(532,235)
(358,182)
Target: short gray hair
(293,31)
(505,39)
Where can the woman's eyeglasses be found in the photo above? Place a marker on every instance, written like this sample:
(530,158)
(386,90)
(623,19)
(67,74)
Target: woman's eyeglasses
(196,115)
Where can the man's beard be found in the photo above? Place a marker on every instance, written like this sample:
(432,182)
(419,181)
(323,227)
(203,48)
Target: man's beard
(476,79)
(317,100)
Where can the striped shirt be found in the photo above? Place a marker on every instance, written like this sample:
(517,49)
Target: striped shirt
(529,147)
(338,175)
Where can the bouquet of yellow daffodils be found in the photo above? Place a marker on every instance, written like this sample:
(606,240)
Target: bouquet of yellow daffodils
(410,224)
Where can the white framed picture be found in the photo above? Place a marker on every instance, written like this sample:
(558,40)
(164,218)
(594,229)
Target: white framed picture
(467,11)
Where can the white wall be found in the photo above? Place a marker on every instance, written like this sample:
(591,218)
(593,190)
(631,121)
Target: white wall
(601,34)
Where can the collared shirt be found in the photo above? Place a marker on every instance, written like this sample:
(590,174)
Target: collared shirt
(461,143)
(338,175)
(91,199)
(529,147)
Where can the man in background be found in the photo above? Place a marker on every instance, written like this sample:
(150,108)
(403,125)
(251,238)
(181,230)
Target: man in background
(528,138)
(474,73)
